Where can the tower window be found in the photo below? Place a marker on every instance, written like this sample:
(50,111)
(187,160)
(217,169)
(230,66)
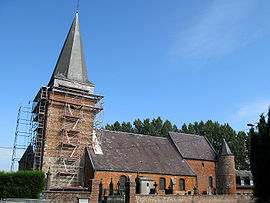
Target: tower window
(162,184)
(182,185)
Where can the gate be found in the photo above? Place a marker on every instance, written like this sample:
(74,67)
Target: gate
(111,195)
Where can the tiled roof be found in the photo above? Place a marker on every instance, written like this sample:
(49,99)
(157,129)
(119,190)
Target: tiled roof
(129,152)
(193,146)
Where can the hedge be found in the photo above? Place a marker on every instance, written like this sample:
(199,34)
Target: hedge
(21,184)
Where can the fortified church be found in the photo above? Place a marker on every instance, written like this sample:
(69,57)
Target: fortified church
(72,148)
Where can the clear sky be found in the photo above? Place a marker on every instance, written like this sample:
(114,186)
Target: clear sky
(185,61)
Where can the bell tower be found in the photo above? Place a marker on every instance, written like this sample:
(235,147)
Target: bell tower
(67,116)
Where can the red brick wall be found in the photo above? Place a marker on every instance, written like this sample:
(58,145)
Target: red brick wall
(190,182)
(204,169)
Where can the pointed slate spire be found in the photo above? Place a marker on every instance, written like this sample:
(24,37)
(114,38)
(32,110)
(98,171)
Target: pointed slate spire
(225,150)
(71,62)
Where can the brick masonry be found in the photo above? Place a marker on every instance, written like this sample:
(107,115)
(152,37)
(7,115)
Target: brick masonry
(65,196)
(130,196)
(226,180)
(54,137)
(73,196)
(204,169)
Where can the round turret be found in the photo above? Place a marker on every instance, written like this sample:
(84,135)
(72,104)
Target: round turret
(226,182)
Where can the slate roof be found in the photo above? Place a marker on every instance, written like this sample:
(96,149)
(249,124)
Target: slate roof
(225,150)
(28,155)
(129,152)
(71,62)
(193,146)
(244,174)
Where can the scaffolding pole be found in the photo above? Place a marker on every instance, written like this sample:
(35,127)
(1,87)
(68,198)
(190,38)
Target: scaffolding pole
(23,134)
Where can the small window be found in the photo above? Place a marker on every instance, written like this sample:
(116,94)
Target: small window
(182,186)
(210,181)
(162,184)
(202,164)
(251,182)
(247,181)
(242,182)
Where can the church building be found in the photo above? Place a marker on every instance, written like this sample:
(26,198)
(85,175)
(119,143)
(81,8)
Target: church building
(71,145)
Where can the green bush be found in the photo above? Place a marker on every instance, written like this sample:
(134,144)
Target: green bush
(21,184)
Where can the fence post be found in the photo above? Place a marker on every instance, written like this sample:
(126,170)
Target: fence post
(94,189)
(130,192)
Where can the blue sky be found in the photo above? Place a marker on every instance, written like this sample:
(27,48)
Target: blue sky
(185,61)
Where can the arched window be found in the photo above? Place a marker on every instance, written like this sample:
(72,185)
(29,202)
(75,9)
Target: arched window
(210,181)
(182,184)
(162,184)
(122,182)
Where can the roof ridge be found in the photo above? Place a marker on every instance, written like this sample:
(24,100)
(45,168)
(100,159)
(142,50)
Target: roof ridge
(136,134)
(186,134)
(210,144)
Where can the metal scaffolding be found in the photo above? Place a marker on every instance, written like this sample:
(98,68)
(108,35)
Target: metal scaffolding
(58,124)
(75,120)
(23,134)
(38,123)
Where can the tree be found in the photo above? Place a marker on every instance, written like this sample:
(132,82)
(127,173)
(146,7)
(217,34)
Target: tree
(175,129)
(260,158)
(129,127)
(116,126)
(166,128)
(157,125)
(148,129)
(126,127)
(184,128)
(138,126)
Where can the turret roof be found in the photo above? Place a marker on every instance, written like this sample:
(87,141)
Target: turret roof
(225,150)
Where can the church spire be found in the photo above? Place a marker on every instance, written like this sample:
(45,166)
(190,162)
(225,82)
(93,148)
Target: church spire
(71,62)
